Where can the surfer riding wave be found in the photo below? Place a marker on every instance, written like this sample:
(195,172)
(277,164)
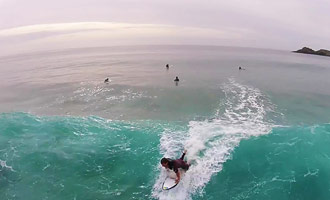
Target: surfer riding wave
(175,165)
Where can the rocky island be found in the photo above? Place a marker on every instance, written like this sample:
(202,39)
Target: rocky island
(306,50)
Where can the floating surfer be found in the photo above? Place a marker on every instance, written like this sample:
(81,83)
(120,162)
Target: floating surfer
(176,81)
(175,165)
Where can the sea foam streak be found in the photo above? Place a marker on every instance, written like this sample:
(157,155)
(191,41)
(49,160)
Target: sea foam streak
(242,114)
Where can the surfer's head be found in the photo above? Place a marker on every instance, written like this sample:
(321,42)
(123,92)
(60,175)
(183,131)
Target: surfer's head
(164,162)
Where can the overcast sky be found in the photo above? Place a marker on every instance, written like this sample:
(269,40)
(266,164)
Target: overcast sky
(277,24)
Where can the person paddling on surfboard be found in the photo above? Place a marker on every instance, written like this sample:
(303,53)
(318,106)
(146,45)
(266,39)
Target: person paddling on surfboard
(175,165)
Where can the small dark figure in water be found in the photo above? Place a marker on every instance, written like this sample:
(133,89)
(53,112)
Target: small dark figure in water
(176,79)
(167,66)
(239,68)
(106,80)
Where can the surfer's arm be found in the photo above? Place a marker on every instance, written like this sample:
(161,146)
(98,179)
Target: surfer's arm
(178,177)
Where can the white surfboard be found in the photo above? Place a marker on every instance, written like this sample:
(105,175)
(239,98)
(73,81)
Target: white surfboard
(169,183)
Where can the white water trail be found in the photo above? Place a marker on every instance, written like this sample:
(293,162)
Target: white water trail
(241,114)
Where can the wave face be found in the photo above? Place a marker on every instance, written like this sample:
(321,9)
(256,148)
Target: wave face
(76,158)
(289,163)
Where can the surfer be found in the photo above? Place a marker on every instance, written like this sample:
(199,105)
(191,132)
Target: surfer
(175,165)
(176,79)
(167,66)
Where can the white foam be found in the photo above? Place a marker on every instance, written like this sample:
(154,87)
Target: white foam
(210,143)
(3,165)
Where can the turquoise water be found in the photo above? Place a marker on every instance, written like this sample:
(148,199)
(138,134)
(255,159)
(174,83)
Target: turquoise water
(258,133)
(82,158)
(289,163)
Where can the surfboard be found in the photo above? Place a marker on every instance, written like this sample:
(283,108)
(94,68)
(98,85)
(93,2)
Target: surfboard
(169,183)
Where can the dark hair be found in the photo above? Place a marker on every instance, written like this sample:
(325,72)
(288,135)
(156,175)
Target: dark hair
(164,160)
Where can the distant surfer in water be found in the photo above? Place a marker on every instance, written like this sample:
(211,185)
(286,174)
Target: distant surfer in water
(176,80)
(175,165)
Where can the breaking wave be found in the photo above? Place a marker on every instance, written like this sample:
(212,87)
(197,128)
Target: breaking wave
(243,113)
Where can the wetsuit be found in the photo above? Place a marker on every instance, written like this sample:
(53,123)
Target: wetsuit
(178,163)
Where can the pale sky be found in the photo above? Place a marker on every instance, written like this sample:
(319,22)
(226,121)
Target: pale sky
(32,25)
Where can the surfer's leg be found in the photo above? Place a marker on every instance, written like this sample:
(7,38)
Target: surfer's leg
(182,156)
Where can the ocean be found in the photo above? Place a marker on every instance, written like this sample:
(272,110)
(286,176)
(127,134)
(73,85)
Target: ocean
(262,132)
